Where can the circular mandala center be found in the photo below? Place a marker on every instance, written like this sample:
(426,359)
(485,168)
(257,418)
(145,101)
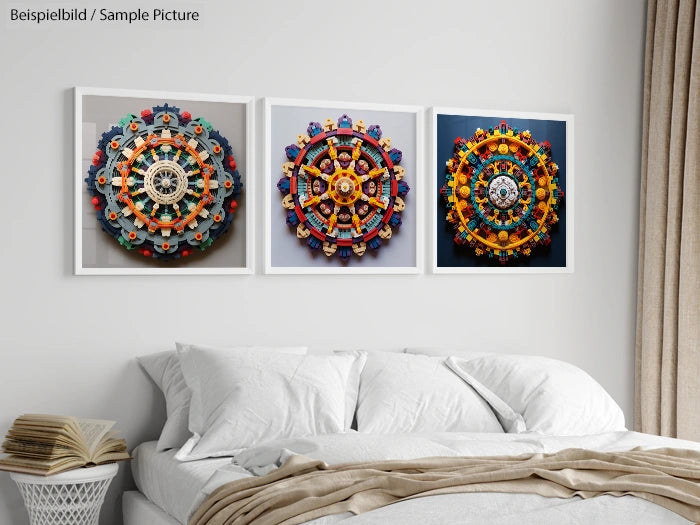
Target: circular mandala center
(165,182)
(345,187)
(503,192)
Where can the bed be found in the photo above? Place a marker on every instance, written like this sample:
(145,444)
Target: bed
(240,414)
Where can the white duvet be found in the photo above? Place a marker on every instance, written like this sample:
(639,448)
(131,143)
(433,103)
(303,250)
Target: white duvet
(491,508)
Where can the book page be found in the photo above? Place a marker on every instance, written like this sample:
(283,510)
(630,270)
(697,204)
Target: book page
(110,445)
(93,431)
(41,467)
(44,420)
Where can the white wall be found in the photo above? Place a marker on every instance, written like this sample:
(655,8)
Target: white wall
(65,343)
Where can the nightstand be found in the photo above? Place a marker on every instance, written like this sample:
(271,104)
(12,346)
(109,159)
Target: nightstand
(73,497)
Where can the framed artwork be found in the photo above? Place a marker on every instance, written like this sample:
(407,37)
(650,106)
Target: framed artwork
(164,183)
(342,187)
(503,199)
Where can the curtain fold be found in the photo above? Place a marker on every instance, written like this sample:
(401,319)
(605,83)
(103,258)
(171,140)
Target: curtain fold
(667,382)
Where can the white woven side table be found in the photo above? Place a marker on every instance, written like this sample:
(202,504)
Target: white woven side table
(73,497)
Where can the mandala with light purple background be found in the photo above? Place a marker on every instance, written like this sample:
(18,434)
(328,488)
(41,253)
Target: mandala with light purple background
(343,187)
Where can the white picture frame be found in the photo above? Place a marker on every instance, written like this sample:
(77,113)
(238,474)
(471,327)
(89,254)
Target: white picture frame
(162,267)
(437,173)
(273,224)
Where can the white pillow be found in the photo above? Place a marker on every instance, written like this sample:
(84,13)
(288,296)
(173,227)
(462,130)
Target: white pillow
(510,420)
(164,369)
(241,397)
(402,393)
(553,397)
(445,351)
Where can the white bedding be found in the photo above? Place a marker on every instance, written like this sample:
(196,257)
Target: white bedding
(171,484)
(138,510)
(180,487)
(513,509)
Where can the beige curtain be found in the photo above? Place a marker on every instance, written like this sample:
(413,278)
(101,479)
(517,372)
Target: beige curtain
(667,383)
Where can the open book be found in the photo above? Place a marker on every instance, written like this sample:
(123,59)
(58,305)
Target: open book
(44,444)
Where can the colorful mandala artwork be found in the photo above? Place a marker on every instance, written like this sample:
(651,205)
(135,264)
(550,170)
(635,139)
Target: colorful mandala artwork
(164,183)
(502,193)
(343,187)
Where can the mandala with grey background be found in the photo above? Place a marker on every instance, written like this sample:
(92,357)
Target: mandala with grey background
(163,183)
(343,187)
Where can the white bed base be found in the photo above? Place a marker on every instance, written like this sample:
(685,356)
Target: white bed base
(140,511)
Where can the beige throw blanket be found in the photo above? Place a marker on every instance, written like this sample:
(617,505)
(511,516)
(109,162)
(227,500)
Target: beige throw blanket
(304,489)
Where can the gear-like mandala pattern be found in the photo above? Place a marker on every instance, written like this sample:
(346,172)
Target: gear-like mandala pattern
(164,183)
(502,192)
(343,187)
